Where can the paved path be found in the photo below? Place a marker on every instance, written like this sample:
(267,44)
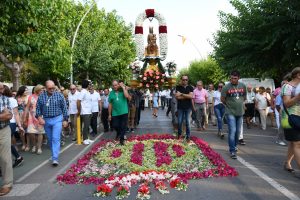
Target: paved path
(259,165)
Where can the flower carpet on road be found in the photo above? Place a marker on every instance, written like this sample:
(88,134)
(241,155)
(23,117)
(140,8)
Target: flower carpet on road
(158,159)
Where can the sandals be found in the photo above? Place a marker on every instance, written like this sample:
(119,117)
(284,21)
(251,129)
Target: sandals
(291,170)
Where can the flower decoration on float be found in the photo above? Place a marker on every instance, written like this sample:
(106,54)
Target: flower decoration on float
(152,79)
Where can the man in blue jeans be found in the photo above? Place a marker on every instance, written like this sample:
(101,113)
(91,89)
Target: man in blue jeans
(233,97)
(51,111)
(184,95)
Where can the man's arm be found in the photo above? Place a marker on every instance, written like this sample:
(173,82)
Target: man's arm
(109,111)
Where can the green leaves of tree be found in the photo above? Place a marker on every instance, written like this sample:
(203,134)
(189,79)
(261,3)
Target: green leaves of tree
(261,40)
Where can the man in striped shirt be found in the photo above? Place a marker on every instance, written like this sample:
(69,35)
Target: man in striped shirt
(52,112)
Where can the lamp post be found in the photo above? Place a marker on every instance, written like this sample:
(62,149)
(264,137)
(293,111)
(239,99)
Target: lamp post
(192,44)
(74,38)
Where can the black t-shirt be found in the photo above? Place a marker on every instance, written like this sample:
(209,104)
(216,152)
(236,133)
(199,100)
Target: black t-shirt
(184,103)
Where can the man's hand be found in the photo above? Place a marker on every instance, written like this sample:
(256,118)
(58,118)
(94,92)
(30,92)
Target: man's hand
(122,85)
(109,118)
(6,115)
(22,131)
(41,121)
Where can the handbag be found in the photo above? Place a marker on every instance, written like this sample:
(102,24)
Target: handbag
(294,120)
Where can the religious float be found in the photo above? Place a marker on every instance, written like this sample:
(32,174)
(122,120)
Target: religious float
(152,75)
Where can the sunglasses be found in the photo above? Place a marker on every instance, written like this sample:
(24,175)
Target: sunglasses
(220,86)
(51,88)
(184,79)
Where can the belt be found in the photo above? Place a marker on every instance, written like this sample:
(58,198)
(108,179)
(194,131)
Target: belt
(201,103)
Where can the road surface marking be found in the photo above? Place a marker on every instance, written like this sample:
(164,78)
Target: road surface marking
(271,181)
(19,190)
(40,166)
(83,151)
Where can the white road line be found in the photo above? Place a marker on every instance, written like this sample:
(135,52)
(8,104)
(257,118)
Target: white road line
(19,190)
(40,166)
(73,160)
(271,181)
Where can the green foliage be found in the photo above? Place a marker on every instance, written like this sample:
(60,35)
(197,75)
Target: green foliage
(262,40)
(104,48)
(206,70)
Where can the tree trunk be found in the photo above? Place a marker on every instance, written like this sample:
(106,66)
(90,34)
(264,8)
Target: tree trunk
(15,68)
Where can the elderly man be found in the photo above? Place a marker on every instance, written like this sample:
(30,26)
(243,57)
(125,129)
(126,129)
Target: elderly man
(5,143)
(118,109)
(51,111)
(200,104)
(210,110)
(72,98)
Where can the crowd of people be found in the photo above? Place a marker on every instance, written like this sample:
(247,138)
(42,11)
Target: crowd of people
(49,115)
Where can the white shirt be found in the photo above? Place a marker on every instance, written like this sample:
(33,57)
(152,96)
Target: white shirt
(13,104)
(163,93)
(168,94)
(210,95)
(217,97)
(250,97)
(86,102)
(95,101)
(261,101)
(72,98)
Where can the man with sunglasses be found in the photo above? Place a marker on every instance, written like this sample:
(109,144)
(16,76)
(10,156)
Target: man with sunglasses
(233,97)
(51,111)
(184,95)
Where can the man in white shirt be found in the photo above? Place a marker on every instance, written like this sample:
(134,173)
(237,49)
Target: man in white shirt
(84,106)
(72,98)
(163,99)
(96,109)
(210,111)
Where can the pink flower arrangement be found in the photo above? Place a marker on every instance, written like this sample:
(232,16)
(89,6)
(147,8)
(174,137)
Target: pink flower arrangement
(116,153)
(76,174)
(152,79)
(161,153)
(137,155)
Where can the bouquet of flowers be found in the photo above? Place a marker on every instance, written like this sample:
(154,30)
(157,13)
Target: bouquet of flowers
(103,190)
(178,184)
(171,66)
(122,192)
(161,187)
(135,67)
(152,79)
(143,192)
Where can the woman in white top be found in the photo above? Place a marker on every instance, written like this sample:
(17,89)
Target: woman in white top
(261,105)
(219,109)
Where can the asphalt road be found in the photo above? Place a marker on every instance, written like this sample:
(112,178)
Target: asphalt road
(260,167)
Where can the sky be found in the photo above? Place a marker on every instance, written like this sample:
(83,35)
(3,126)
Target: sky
(197,20)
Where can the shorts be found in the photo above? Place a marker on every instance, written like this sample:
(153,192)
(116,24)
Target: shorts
(291,135)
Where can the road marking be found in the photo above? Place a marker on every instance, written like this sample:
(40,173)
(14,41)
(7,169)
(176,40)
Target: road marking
(40,166)
(271,181)
(83,151)
(19,190)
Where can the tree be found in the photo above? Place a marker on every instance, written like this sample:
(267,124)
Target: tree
(35,30)
(104,48)
(262,40)
(206,70)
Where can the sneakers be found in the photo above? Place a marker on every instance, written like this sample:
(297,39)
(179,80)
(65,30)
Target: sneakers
(33,150)
(125,137)
(242,142)
(18,162)
(55,163)
(39,152)
(280,142)
(132,130)
(87,141)
(233,156)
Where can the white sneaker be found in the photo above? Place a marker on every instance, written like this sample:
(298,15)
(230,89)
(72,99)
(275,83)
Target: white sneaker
(90,141)
(86,142)
(55,163)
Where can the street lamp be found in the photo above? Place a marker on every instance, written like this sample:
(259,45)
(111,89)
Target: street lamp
(74,38)
(192,44)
